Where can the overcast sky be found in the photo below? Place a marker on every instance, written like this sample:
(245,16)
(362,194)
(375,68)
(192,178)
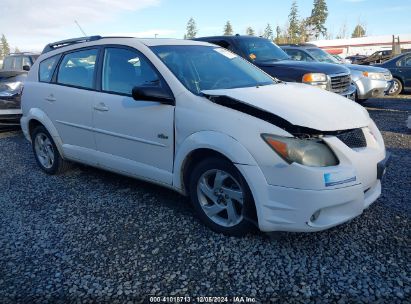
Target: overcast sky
(30,25)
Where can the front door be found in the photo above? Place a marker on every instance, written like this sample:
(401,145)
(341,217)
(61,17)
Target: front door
(134,137)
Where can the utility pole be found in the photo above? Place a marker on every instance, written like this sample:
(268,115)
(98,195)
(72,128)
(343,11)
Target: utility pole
(75,21)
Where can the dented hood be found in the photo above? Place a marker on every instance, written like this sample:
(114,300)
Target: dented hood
(300,105)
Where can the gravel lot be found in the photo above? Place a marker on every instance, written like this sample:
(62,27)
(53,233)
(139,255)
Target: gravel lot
(93,236)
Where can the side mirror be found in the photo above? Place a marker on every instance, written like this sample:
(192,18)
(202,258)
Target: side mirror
(153,93)
(26,68)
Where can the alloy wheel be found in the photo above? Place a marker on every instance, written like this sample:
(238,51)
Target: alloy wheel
(221,197)
(44,150)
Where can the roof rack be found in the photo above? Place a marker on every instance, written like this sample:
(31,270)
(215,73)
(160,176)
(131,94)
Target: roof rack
(58,44)
(21,53)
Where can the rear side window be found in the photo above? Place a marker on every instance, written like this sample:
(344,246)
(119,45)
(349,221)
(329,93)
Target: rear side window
(123,69)
(46,68)
(77,69)
(8,63)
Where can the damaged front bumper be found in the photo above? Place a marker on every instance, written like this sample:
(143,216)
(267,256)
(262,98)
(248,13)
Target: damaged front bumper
(10,112)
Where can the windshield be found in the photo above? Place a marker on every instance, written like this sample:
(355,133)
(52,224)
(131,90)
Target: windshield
(209,68)
(259,50)
(322,56)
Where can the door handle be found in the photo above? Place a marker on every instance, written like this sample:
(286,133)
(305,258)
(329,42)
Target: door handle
(101,107)
(51,98)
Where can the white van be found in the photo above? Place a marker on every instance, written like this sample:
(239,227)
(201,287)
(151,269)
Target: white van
(247,148)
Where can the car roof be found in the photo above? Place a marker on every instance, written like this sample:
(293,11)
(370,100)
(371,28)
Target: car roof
(74,43)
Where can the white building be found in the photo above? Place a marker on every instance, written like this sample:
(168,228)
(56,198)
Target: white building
(363,45)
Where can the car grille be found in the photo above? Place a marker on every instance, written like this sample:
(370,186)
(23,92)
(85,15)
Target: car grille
(353,138)
(340,83)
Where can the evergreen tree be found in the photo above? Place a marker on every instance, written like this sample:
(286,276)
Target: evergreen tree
(294,24)
(359,31)
(249,31)
(5,48)
(228,29)
(191,29)
(268,32)
(318,17)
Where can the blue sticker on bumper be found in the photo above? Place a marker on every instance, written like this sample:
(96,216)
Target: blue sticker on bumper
(334,179)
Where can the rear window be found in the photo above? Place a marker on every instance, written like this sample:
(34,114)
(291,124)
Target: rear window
(77,69)
(46,68)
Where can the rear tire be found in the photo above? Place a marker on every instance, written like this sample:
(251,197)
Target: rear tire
(46,153)
(396,87)
(221,197)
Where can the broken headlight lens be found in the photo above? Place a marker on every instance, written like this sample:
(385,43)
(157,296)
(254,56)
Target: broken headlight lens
(8,89)
(308,152)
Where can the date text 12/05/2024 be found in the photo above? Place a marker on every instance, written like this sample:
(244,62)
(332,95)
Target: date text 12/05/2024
(200,299)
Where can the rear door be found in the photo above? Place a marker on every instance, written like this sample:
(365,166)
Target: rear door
(69,100)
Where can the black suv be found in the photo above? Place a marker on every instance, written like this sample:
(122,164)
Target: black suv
(14,72)
(274,61)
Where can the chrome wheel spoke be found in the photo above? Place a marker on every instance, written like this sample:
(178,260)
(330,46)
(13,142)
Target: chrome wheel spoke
(219,179)
(231,212)
(207,191)
(236,195)
(212,210)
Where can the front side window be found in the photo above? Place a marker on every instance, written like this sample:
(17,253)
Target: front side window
(201,68)
(262,50)
(8,63)
(124,69)
(77,69)
(46,68)
(404,62)
(322,56)
(298,55)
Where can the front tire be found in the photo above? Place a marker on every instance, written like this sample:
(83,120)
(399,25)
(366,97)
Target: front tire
(396,87)
(46,153)
(221,197)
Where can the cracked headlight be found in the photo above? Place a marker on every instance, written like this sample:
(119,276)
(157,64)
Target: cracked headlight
(308,152)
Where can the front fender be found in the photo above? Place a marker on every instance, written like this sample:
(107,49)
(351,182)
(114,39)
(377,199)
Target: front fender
(41,117)
(216,141)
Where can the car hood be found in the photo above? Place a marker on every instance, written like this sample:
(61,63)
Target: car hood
(307,67)
(301,105)
(365,68)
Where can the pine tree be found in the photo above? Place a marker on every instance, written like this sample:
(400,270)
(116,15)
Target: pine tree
(359,31)
(268,32)
(249,31)
(294,25)
(228,29)
(5,48)
(191,29)
(318,17)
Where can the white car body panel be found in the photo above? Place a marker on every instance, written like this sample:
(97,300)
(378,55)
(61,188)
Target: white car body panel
(315,108)
(126,140)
